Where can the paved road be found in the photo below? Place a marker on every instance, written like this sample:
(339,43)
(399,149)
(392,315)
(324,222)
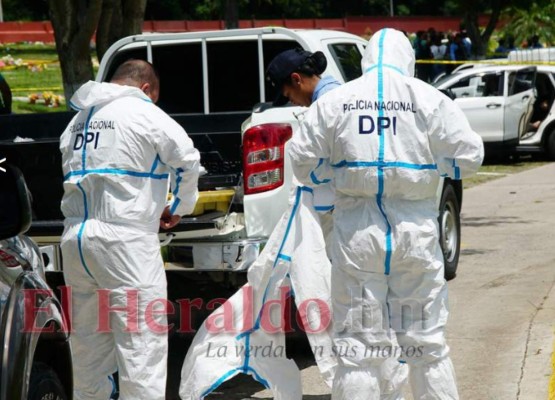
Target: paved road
(502,301)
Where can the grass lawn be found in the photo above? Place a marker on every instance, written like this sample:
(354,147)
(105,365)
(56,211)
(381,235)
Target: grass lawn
(40,73)
(24,81)
(498,169)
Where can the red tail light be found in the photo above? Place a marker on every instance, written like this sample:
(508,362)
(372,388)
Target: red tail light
(263,156)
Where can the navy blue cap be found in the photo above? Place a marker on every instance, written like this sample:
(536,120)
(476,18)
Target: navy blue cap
(282,66)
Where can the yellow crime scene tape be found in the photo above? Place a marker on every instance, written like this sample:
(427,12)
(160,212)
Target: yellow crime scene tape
(551,395)
(28,63)
(49,89)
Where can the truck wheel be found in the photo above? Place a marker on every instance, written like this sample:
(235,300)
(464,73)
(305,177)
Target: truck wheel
(44,384)
(550,146)
(450,230)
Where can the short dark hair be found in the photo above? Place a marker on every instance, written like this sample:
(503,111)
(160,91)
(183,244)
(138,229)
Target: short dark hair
(136,72)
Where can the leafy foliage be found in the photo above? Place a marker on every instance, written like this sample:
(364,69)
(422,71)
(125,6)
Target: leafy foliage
(165,10)
(537,18)
(270,9)
(25,10)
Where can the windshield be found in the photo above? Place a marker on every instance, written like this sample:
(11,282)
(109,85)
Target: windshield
(445,78)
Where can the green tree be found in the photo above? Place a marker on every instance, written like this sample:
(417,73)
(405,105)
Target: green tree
(74,23)
(263,9)
(24,10)
(403,8)
(165,10)
(535,19)
(525,19)
(478,35)
(118,19)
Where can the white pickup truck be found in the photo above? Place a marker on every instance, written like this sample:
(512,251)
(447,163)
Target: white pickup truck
(210,83)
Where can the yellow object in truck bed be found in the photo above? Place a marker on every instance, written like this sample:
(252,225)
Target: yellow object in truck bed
(211,200)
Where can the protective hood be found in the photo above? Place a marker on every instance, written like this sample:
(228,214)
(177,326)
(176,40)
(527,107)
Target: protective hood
(95,93)
(389,47)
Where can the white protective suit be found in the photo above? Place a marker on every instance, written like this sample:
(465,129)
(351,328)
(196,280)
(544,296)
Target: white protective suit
(389,137)
(234,339)
(118,154)
(293,260)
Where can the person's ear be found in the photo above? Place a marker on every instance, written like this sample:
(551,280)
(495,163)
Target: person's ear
(151,91)
(145,88)
(296,79)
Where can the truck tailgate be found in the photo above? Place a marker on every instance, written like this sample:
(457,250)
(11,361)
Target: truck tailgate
(217,137)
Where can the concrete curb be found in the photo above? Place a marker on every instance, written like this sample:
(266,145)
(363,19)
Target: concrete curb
(537,365)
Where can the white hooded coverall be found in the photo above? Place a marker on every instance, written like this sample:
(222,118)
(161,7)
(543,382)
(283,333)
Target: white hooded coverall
(119,154)
(389,138)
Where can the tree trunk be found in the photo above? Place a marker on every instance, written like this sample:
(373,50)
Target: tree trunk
(74,22)
(479,39)
(231,14)
(133,12)
(119,18)
(109,26)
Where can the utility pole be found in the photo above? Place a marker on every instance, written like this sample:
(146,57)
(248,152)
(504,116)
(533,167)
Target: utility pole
(1,12)
(391,12)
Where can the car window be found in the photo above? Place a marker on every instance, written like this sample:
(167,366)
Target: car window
(521,81)
(137,53)
(480,85)
(271,49)
(347,57)
(233,75)
(181,89)
(441,81)
(181,83)
(233,83)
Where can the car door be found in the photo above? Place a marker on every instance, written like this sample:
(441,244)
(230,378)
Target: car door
(480,97)
(519,102)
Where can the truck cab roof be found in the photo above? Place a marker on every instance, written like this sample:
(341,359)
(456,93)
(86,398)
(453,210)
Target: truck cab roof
(224,71)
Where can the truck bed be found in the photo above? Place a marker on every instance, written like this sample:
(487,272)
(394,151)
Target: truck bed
(216,136)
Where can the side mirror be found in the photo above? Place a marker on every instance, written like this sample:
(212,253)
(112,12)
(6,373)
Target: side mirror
(15,203)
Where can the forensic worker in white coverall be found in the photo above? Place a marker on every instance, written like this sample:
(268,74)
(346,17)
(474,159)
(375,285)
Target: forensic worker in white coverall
(389,138)
(120,155)
(297,75)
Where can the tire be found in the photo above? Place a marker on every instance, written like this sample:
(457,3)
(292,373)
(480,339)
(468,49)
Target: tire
(450,230)
(44,384)
(550,146)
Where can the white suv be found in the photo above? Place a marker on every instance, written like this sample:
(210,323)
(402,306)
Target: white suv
(530,139)
(497,100)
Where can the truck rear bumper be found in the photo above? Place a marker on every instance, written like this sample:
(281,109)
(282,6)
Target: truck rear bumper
(195,256)
(214,241)
(236,255)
